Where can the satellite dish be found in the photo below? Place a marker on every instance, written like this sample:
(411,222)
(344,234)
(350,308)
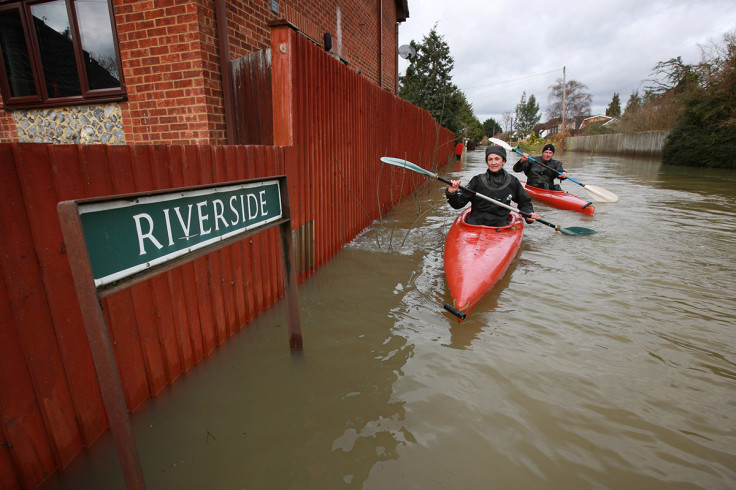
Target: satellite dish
(407,52)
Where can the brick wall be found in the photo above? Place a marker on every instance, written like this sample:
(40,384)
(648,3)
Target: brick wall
(170,57)
(8,132)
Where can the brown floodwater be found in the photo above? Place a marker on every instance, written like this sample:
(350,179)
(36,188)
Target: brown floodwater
(601,361)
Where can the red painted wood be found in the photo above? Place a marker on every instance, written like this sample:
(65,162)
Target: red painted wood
(42,178)
(231,173)
(201,155)
(157,156)
(30,312)
(219,174)
(127,177)
(245,246)
(191,176)
(256,243)
(179,296)
(103,169)
(21,421)
(340,125)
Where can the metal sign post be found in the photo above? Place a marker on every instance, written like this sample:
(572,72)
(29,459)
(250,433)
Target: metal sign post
(117,241)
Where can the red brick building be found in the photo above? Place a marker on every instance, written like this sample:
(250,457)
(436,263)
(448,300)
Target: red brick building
(151,71)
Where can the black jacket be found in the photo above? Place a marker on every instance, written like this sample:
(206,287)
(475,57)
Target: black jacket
(501,186)
(539,176)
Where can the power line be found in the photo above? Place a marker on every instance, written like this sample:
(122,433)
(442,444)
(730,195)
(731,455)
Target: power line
(514,79)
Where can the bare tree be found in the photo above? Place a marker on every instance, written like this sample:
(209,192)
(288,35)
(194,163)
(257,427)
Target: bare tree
(670,75)
(577,100)
(508,122)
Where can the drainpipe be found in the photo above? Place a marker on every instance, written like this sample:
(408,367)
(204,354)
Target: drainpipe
(339,31)
(380,44)
(396,59)
(227,75)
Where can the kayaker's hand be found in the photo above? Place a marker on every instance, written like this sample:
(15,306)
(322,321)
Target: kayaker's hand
(532,217)
(453,187)
(563,175)
(524,157)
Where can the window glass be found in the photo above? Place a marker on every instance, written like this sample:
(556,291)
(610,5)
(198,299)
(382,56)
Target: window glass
(16,59)
(53,33)
(95,29)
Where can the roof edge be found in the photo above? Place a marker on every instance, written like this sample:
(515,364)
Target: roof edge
(402,10)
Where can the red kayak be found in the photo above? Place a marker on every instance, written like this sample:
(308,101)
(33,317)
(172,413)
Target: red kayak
(561,200)
(476,257)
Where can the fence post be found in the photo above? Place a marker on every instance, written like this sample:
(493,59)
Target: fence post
(282,81)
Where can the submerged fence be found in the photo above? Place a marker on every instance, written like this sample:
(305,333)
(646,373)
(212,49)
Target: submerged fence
(646,143)
(50,403)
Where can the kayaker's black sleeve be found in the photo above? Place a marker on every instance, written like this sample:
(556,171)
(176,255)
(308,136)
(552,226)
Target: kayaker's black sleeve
(460,199)
(557,166)
(520,166)
(522,199)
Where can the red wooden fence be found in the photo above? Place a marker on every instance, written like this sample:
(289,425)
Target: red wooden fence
(50,405)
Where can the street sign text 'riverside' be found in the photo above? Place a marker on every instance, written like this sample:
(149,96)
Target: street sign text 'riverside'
(127,236)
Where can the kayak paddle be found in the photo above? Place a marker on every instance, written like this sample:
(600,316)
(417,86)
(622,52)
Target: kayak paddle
(398,162)
(597,193)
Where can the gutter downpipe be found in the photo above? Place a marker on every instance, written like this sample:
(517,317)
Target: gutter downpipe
(225,68)
(380,44)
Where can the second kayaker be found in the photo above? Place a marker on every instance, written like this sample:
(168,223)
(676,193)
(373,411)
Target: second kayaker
(542,175)
(497,184)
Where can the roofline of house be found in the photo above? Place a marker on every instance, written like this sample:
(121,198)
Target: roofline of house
(402,10)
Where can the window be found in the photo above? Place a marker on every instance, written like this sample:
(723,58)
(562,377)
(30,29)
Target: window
(58,52)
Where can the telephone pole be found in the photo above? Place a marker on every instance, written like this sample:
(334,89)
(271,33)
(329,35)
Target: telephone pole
(564,108)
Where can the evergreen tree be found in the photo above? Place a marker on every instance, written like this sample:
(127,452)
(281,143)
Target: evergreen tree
(614,108)
(491,127)
(633,103)
(428,81)
(527,114)
(470,126)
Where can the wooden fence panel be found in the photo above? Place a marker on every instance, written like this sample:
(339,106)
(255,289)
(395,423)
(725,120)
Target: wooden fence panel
(344,124)
(72,337)
(143,161)
(162,327)
(124,172)
(253,108)
(20,217)
(30,459)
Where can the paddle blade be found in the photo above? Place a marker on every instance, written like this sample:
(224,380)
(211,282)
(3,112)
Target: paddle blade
(399,162)
(499,142)
(576,230)
(599,194)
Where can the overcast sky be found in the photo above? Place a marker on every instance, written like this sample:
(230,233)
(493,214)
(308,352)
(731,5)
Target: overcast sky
(502,49)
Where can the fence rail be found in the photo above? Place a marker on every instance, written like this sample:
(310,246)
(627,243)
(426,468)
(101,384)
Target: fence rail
(50,403)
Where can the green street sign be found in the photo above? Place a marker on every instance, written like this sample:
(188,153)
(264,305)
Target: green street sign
(127,236)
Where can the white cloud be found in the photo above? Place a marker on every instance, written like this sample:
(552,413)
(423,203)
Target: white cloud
(502,49)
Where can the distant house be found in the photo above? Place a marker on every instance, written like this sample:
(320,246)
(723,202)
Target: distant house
(574,126)
(548,129)
(593,120)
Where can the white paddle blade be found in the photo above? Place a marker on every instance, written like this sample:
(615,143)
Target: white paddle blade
(499,142)
(599,194)
(399,162)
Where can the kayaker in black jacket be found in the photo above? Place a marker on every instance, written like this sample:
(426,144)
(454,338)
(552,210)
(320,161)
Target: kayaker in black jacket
(538,175)
(497,184)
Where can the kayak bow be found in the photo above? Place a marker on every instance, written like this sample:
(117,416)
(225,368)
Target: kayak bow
(476,258)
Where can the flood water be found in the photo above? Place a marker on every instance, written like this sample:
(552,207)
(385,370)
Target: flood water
(601,361)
